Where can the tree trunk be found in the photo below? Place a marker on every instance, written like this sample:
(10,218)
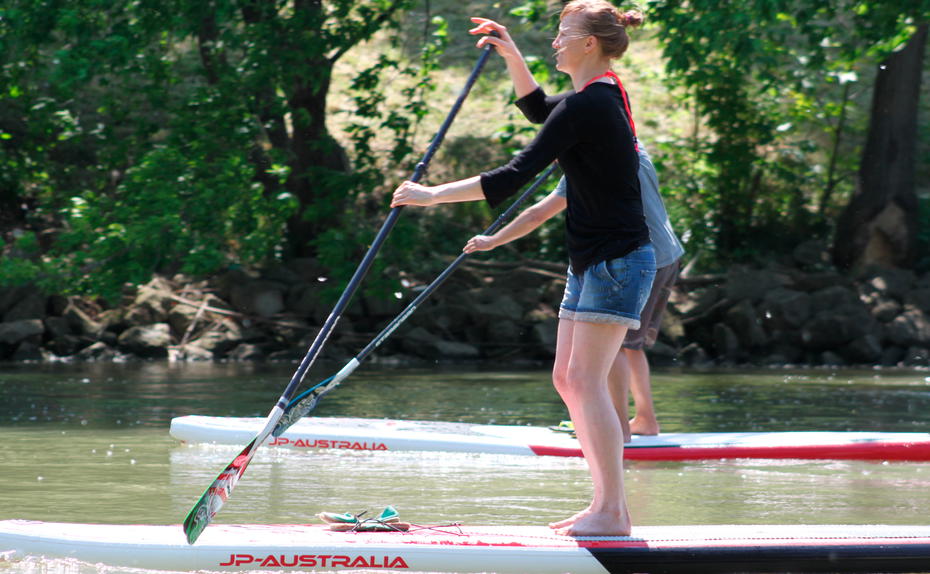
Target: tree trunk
(879,226)
(315,155)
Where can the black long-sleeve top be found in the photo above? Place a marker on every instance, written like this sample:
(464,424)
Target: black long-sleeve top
(590,135)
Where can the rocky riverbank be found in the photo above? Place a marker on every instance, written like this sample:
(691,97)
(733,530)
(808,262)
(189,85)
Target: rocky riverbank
(797,312)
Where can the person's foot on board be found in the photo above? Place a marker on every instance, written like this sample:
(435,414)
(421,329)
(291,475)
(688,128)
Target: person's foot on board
(570,520)
(599,524)
(645,427)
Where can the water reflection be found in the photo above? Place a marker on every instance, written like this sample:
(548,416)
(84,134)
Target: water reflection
(89,443)
(150,394)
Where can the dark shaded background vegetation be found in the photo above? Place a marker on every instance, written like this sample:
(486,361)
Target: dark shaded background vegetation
(142,137)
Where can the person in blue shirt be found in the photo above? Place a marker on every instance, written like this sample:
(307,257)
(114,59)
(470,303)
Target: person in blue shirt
(611,261)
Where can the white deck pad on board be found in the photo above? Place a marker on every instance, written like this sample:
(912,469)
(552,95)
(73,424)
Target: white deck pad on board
(503,549)
(313,433)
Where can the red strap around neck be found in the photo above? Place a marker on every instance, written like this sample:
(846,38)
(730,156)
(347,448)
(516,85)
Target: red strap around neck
(626,100)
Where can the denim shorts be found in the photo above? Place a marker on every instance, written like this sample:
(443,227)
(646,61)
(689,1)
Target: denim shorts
(612,291)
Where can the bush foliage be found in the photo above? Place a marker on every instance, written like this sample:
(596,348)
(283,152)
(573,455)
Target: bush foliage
(185,136)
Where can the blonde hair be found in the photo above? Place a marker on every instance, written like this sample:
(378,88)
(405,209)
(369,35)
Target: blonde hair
(605,22)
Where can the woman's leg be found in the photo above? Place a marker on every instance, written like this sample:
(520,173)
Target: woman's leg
(563,353)
(591,349)
(618,381)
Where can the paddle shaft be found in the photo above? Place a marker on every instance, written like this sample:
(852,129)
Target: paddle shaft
(389,222)
(386,332)
(216,494)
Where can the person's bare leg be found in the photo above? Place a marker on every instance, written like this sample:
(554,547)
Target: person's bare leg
(618,380)
(563,351)
(597,425)
(644,422)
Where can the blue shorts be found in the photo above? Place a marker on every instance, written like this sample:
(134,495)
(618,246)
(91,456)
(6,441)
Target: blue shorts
(613,291)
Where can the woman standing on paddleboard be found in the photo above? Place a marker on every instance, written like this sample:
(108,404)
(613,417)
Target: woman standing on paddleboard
(612,263)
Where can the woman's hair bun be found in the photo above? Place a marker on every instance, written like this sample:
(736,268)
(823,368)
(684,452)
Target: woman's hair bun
(631,18)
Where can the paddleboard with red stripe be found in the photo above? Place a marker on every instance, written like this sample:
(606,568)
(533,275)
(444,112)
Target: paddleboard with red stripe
(503,549)
(329,433)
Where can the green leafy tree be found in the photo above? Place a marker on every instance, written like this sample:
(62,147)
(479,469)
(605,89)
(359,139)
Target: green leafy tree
(174,135)
(772,79)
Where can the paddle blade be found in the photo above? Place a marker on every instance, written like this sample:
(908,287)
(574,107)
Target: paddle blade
(307,400)
(302,405)
(201,515)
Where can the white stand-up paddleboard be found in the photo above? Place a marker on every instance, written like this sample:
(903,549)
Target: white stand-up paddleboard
(322,433)
(504,549)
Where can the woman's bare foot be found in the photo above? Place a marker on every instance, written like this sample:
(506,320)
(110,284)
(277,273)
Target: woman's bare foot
(643,426)
(570,520)
(599,524)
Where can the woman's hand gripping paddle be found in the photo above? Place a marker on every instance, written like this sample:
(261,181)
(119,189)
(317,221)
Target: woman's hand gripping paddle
(219,491)
(307,401)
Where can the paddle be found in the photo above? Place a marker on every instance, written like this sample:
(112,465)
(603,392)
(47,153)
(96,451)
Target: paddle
(306,401)
(219,491)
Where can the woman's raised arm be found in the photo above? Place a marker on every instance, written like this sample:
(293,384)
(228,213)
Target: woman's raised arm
(523,81)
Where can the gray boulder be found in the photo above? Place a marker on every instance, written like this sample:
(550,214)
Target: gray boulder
(726,343)
(9,296)
(832,359)
(150,304)
(456,350)
(911,328)
(833,328)
(14,332)
(57,327)
(885,310)
(812,253)
(817,280)
(890,281)
(917,357)
(150,341)
(863,350)
(745,323)
(180,318)
(189,353)
(420,342)
(785,308)
(67,345)
(262,298)
(892,355)
(834,297)
(545,333)
(500,307)
(303,300)
(30,352)
(919,298)
(700,301)
(33,305)
(81,323)
(753,284)
(693,354)
(246,352)
(98,351)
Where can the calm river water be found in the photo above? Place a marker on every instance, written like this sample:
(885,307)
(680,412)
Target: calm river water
(89,443)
